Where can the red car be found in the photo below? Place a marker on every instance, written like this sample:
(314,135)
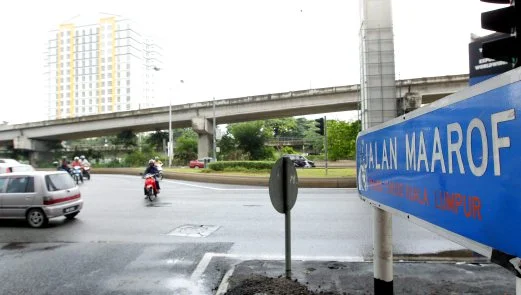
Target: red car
(196,164)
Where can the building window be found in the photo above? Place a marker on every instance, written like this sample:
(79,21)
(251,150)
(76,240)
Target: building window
(128,82)
(128,98)
(128,90)
(128,107)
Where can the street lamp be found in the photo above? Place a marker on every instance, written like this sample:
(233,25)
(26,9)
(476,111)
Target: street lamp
(214,134)
(170,146)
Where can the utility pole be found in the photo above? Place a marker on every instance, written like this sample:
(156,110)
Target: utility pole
(214,132)
(325,139)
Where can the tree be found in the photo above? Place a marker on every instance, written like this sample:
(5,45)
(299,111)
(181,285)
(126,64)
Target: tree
(228,148)
(156,140)
(285,127)
(186,146)
(250,137)
(341,139)
(127,138)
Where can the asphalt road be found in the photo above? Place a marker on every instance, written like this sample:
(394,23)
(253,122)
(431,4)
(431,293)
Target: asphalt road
(184,242)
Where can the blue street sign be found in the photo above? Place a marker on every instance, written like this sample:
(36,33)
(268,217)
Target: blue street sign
(454,165)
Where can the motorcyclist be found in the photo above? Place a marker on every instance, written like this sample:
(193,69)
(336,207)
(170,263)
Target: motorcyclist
(84,162)
(64,165)
(158,162)
(76,162)
(152,169)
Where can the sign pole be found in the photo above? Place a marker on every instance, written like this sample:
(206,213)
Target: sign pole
(383,251)
(283,190)
(287,218)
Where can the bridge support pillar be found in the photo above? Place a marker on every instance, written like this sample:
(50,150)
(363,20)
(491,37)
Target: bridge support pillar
(39,150)
(204,128)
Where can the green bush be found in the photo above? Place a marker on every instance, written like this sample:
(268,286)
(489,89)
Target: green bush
(115,163)
(287,150)
(138,159)
(241,165)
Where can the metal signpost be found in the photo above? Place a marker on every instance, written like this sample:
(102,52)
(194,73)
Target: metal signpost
(283,188)
(453,167)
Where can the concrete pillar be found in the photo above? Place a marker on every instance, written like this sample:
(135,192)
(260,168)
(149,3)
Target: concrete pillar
(378,104)
(36,158)
(39,150)
(204,128)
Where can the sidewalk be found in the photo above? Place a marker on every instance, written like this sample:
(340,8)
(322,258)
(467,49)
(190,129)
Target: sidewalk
(357,277)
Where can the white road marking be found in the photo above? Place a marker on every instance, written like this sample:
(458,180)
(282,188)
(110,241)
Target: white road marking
(216,188)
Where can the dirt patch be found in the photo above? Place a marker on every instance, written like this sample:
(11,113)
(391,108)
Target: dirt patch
(261,285)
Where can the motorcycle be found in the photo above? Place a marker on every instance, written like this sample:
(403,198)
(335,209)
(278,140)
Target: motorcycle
(160,169)
(86,172)
(76,174)
(150,186)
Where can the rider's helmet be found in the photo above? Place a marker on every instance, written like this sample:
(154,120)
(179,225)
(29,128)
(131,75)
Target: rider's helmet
(151,162)
(82,157)
(157,158)
(76,158)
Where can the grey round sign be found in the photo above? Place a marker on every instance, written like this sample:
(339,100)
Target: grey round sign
(283,185)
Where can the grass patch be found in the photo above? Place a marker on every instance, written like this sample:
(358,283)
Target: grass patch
(303,173)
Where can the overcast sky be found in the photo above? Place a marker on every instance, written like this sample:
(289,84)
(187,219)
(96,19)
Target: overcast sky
(237,48)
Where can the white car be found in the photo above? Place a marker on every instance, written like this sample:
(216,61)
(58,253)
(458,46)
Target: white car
(14,167)
(8,161)
(37,196)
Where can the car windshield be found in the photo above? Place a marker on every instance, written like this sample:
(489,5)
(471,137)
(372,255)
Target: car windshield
(58,182)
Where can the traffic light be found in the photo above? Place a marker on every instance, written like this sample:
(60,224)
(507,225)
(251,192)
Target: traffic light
(507,21)
(320,126)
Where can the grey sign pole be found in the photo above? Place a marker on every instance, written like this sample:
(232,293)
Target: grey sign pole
(287,215)
(283,190)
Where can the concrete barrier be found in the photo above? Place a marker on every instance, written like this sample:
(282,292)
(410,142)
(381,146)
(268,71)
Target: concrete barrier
(332,182)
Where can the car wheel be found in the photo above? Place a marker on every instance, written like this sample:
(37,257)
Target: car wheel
(196,167)
(72,215)
(36,218)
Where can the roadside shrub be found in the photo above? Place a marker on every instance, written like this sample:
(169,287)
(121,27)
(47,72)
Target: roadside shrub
(238,165)
(112,164)
(137,159)
(287,150)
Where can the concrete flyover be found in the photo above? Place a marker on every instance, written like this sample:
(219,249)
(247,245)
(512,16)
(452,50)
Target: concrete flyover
(199,115)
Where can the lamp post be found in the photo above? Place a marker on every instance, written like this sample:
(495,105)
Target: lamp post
(214,134)
(170,145)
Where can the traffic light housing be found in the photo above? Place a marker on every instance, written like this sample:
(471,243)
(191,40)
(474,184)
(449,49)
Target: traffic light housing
(320,126)
(506,20)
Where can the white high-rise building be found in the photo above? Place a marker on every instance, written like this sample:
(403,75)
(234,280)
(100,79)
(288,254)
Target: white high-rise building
(99,68)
